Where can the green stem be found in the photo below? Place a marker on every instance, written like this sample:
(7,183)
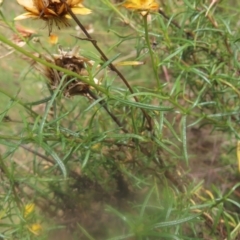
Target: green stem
(150,50)
(50,65)
(34,114)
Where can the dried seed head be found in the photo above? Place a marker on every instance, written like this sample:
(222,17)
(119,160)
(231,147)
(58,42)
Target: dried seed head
(69,60)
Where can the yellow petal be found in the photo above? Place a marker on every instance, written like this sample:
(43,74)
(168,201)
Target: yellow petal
(141,5)
(67,16)
(53,39)
(81,11)
(96,147)
(130,63)
(41,4)
(32,10)
(74,2)
(78,5)
(209,194)
(25,15)
(26,3)
(144,13)
(28,209)
(130,5)
(35,228)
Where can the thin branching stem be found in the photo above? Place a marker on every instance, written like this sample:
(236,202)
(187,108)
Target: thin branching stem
(105,58)
(104,105)
(154,65)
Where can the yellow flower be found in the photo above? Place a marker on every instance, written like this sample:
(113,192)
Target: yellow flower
(53,39)
(141,5)
(51,11)
(28,209)
(35,228)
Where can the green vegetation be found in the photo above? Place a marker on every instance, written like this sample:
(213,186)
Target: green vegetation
(130,132)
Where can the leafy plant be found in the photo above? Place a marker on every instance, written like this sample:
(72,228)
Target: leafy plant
(99,133)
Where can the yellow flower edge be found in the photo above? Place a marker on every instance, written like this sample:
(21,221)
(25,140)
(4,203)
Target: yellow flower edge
(141,5)
(36,10)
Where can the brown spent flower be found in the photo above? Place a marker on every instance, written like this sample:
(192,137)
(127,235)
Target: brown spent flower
(71,61)
(51,11)
(20,38)
(24,34)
